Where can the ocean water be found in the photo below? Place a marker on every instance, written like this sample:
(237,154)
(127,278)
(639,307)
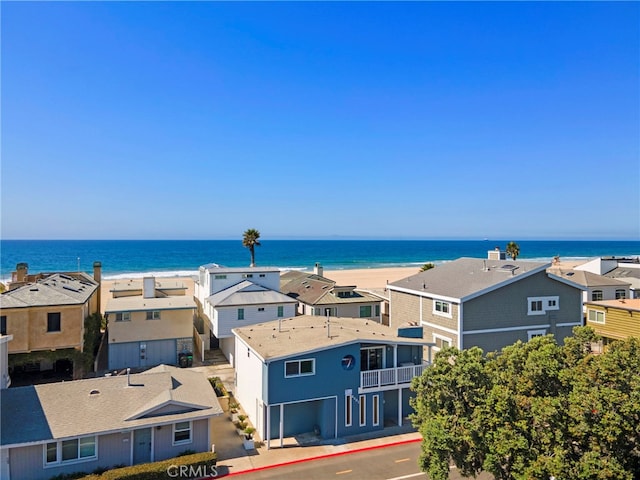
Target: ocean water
(135,258)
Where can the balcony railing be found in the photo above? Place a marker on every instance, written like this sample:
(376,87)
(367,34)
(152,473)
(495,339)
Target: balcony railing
(388,377)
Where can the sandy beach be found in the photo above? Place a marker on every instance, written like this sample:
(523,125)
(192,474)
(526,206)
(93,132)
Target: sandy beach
(366,278)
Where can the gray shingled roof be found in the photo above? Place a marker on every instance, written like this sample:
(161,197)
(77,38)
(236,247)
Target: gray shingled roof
(307,333)
(247,293)
(68,409)
(588,279)
(313,289)
(465,277)
(56,289)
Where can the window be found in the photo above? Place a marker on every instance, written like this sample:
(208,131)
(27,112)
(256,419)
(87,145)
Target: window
(540,305)
(441,342)
(153,315)
(280,311)
(247,275)
(377,310)
(620,293)
(124,317)
(3,325)
(70,451)
(181,433)
(363,410)
(53,322)
(596,295)
(241,314)
(372,358)
(596,316)
(300,368)
(220,277)
(442,308)
(536,333)
(261,309)
(262,275)
(365,311)
(347,410)
(376,410)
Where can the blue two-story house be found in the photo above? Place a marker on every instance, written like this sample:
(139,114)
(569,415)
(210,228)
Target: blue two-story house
(332,376)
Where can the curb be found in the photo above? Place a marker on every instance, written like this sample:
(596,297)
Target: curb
(320,457)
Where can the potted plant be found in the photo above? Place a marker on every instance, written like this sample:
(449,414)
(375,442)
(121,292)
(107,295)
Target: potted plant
(248,442)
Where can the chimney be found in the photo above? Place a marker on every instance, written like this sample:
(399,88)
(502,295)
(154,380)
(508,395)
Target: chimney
(318,270)
(97,276)
(21,271)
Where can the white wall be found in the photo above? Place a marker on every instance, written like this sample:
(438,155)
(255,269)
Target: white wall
(249,371)
(227,317)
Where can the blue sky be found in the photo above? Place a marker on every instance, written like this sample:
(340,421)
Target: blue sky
(314,120)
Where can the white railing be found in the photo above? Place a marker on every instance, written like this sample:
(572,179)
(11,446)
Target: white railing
(390,376)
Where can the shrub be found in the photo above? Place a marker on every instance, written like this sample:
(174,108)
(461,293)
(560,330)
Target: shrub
(157,470)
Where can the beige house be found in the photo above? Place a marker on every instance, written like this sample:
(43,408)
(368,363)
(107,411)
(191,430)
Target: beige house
(45,314)
(150,321)
(318,295)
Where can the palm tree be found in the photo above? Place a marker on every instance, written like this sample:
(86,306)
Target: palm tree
(513,250)
(250,241)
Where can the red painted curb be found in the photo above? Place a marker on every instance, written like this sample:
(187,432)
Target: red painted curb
(319,457)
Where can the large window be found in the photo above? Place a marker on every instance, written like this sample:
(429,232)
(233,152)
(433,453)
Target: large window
(620,293)
(540,305)
(596,316)
(280,311)
(70,451)
(596,295)
(181,433)
(53,322)
(372,358)
(241,314)
(123,317)
(441,342)
(365,311)
(442,308)
(300,368)
(153,315)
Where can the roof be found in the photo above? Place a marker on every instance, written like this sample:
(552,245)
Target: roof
(628,273)
(466,278)
(588,279)
(139,303)
(219,269)
(313,289)
(45,412)
(247,293)
(55,289)
(137,284)
(307,333)
(631,304)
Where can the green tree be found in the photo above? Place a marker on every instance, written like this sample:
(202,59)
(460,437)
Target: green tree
(427,266)
(250,240)
(513,250)
(533,410)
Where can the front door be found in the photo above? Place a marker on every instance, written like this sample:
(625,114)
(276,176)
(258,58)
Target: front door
(142,446)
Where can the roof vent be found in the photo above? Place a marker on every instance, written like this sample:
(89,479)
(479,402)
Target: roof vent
(94,392)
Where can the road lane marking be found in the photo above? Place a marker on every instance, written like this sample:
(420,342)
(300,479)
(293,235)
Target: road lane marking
(403,460)
(421,474)
(344,471)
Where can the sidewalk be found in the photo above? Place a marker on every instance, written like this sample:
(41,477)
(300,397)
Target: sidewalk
(233,459)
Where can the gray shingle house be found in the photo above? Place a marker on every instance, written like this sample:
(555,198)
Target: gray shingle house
(83,425)
(487,303)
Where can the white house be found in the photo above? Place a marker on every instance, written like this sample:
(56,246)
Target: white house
(228,298)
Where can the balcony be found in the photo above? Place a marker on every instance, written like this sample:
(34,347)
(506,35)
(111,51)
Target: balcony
(389,378)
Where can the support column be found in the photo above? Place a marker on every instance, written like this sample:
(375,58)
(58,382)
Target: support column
(281,425)
(399,407)
(268,427)
(395,358)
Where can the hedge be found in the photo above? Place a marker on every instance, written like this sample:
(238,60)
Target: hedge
(198,462)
